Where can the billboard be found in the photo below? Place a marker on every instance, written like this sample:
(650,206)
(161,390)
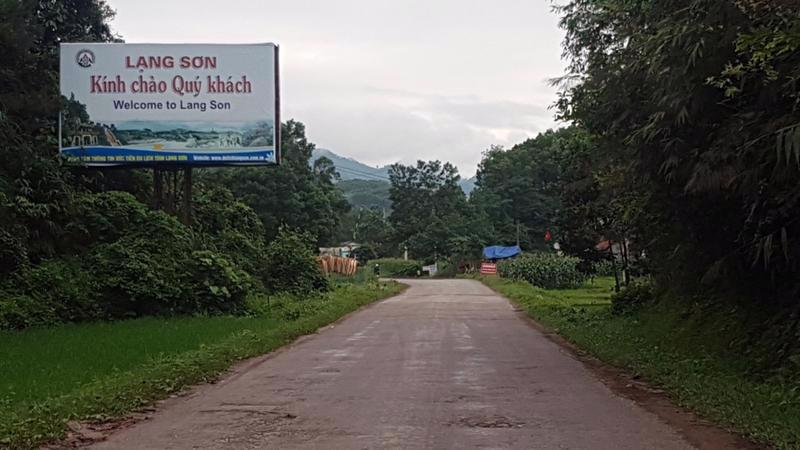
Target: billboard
(169,104)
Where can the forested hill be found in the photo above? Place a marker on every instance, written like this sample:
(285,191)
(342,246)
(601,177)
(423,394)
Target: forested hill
(350,169)
(376,192)
(370,194)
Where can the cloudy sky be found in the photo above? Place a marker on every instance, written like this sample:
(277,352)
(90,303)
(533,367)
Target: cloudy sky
(385,81)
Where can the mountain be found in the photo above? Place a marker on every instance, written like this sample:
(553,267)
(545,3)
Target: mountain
(350,169)
(375,193)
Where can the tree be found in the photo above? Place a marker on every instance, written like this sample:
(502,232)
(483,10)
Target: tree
(371,227)
(293,194)
(36,189)
(693,106)
(519,191)
(325,171)
(428,208)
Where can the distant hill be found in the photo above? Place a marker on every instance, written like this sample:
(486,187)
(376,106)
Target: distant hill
(372,194)
(350,169)
(375,194)
(468,185)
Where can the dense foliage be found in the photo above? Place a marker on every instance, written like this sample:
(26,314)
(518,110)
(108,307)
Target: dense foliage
(699,114)
(431,217)
(295,194)
(692,108)
(393,267)
(632,297)
(543,269)
(290,265)
(367,194)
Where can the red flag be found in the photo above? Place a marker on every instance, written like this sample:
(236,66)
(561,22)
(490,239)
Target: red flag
(547,235)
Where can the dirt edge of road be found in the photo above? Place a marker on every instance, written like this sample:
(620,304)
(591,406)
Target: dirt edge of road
(85,433)
(699,432)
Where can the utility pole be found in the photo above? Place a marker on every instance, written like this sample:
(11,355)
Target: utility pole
(518,233)
(614,265)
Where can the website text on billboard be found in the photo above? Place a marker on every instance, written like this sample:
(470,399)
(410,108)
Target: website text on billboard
(170,104)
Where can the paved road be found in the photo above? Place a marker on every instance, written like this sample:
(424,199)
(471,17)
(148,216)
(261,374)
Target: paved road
(448,364)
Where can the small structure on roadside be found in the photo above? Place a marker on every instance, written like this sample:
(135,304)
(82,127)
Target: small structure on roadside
(431,269)
(497,252)
(344,250)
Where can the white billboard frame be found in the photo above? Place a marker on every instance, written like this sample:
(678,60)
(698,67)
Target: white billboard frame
(131,110)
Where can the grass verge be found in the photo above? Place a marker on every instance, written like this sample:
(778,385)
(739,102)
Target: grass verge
(685,354)
(96,371)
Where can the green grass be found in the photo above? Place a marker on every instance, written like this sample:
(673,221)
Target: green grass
(42,363)
(688,354)
(99,370)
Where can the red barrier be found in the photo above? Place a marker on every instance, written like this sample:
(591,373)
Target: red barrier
(488,269)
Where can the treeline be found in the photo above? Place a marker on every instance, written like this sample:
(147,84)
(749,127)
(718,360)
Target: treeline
(79,244)
(692,109)
(542,185)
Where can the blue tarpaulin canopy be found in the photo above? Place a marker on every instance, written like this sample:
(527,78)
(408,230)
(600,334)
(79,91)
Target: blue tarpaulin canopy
(499,252)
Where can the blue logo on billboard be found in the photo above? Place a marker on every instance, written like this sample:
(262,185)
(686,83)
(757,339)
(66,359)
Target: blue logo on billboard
(85,58)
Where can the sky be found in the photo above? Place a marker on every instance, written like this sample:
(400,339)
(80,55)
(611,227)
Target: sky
(387,81)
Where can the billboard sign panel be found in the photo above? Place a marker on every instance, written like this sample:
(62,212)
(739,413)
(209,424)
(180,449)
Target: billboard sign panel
(169,104)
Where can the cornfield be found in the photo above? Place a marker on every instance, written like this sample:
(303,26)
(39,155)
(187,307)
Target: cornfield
(545,270)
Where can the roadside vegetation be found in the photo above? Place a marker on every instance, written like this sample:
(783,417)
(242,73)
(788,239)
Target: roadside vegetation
(98,371)
(396,267)
(687,353)
(543,269)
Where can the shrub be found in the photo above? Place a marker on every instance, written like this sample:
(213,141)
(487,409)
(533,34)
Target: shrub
(215,210)
(243,250)
(13,254)
(603,268)
(145,272)
(290,265)
(105,217)
(396,267)
(66,286)
(137,278)
(365,253)
(545,270)
(217,285)
(632,297)
(446,269)
(55,291)
(18,311)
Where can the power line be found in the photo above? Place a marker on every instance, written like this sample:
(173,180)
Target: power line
(361,173)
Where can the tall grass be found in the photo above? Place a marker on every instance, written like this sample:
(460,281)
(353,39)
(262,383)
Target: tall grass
(37,364)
